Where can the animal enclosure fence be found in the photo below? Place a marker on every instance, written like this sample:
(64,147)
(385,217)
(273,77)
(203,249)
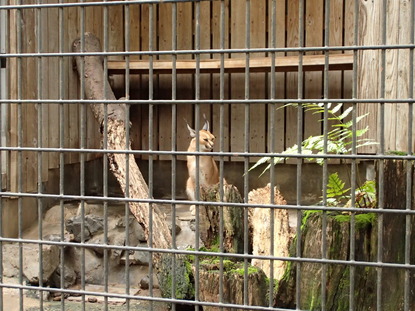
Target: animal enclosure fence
(240,63)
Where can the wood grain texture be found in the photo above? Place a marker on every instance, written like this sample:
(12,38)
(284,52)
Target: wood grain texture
(368,69)
(217,83)
(313,81)
(279,84)
(165,42)
(94,89)
(291,82)
(185,83)
(257,81)
(237,111)
(237,65)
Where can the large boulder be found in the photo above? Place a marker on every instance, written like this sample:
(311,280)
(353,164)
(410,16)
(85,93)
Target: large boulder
(31,257)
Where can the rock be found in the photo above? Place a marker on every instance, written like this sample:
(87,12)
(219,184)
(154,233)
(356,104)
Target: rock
(136,231)
(50,261)
(92,225)
(192,224)
(94,266)
(90,209)
(178,229)
(10,260)
(97,239)
(260,226)
(54,214)
(142,258)
(37,294)
(92,299)
(69,276)
(118,239)
(145,282)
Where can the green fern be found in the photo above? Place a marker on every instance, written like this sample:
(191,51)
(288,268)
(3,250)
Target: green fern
(337,141)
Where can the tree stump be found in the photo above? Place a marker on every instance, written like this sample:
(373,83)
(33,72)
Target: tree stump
(260,226)
(337,276)
(366,249)
(233,284)
(233,219)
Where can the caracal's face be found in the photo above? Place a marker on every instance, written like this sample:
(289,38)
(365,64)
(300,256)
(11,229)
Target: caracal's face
(206,141)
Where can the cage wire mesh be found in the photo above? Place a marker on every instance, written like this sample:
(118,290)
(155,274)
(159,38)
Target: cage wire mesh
(115,194)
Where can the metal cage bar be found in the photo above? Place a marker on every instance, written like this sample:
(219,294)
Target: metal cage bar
(142,40)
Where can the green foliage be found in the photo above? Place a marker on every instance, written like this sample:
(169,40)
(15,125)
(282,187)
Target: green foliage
(337,195)
(336,191)
(338,140)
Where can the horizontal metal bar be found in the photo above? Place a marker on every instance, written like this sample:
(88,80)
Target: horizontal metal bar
(143,298)
(218,154)
(11,195)
(212,101)
(216,51)
(219,254)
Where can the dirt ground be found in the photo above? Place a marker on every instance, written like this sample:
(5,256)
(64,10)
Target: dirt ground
(11,302)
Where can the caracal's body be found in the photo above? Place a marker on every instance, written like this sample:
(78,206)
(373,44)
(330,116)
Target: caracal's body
(208,170)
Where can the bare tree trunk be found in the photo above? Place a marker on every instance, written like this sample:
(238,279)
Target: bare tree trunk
(93,72)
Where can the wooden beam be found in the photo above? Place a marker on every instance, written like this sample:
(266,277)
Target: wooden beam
(237,65)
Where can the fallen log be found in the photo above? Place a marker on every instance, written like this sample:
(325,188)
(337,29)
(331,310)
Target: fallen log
(91,67)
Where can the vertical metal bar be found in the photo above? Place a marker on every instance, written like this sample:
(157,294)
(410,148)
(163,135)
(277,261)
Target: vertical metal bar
(246,143)
(197,127)
(150,144)
(409,168)
(173,147)
(39,144)
(127,146)
(82,157)
(3,127)
(19,144)
(272,150)
(325,168)
(222,143)
(353,165)
(379,277)
(61,88)
(300,95)
(105,162)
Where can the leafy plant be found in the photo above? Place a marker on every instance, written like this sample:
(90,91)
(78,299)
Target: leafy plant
(337,194)
(338,139)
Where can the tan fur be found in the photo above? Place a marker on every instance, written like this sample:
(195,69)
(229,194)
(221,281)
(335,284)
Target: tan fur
(208,170)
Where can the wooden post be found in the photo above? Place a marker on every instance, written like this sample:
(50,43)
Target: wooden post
(94,89)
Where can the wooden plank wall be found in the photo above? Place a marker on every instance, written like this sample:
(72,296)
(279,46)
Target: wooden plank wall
(341,32)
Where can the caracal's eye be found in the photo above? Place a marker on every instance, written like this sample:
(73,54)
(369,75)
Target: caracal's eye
(206,140)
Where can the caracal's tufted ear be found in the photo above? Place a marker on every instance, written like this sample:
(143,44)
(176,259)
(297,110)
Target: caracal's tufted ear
(192,132)
(206,125)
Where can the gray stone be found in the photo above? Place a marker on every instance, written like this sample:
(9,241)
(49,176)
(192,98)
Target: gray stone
(136,231)
(192,224)
(178,229)
(97,239)
(94,266)
(92,225)
(142,258)
(145,282)
(50,261)
(69,278)
(10,260)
